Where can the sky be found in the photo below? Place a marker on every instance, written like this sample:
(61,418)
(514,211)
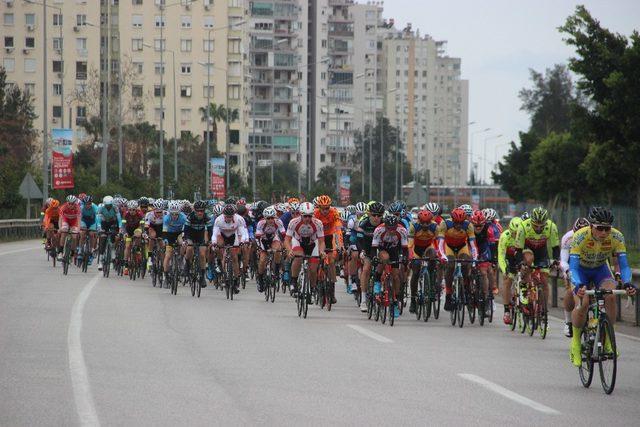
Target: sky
(499,41)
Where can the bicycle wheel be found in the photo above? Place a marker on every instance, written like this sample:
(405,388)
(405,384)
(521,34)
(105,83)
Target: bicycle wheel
(607,357)
(192,285)
(436,302)
(274,289)
(454,301)
(329,293)
(201,280)
(106,260)
(392,311)
(532,318)
(306,296)
(370,305)
(542,320)
(482,310)
(419,304)
(524,321)
(66,257)
(514,314)
(489,301)
(471,306)
(585,370)
(383,314)
(461,304)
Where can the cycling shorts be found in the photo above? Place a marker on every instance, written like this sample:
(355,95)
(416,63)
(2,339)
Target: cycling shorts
(157,228)
(195,238)
(394,255)
(172,237)
(328,242)
(308,248)
(89,225)
(67,225)
(229,240)
(540,256)
(266,241)
(595,275)
(456,251)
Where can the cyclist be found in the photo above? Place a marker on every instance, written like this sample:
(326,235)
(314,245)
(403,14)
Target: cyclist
(153,221)
(89,223)
(144,204)
(50,223)
(536,241)
(294,212)
(455,237)
(436,210)
(69,221)
(508,264)
(468,210)
(565,247)
(305,236)
(132,224)
(351,248)
(172,227)
(196,235)
(331,223)
(364,237)
(269,235)
(487,236)
(110,218)
(590,249)
(390,239)
(241,209)
(422,239)
(229,229)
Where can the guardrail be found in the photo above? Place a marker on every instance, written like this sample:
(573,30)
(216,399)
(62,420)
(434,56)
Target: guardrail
(11,229)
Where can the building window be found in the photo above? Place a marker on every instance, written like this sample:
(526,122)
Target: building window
(81,45)
(207,91)
(157,92)
(29,88)
(57,43)
(81,70)
(29,42)
(234,91)
(8,19)
(185,91)
(8,42)
(57,111)
(136,91)
(136,21)
(322,158)
(160,21)
(185,45)
(9,64)
(57,89)
(138,66)
(136,2)
(185,68)
(157,112)
(234,46)
(185,114)
(160,44)
(30,19)
(158,68)
(30,65)
(207,45)
(81,20)
(208,22)
(81,112)
(136,45)
(57,19)
(58,67)
(186,21)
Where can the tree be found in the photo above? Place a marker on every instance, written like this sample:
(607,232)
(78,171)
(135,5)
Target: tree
(17,140)
(218,113)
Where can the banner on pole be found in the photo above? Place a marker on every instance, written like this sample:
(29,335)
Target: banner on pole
(475,201)
(62,159)
(345,189)
(217,177)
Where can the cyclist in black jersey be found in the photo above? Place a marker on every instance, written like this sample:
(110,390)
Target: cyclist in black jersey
(364,236)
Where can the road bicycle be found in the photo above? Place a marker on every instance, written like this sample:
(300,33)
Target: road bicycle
(428,296)
(459,296)
(303,295)
(270,280)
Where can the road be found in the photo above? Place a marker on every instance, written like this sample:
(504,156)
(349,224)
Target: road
(86,350)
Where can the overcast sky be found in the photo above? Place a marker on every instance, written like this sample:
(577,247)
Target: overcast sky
(498,41)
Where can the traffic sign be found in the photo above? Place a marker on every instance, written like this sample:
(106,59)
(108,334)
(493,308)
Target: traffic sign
(29,189)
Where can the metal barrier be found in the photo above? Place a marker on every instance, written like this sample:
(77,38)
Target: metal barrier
(16,229)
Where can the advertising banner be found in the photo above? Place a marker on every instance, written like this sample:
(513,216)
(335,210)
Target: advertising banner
(217,177)
(475,201)
(345,190)
(62,159)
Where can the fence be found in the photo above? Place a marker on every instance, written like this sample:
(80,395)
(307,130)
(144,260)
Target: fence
(15,229)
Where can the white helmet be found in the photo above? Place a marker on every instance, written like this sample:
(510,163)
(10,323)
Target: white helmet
(306,208)
(269,212)
(107,200)
(174,206)
(132,204)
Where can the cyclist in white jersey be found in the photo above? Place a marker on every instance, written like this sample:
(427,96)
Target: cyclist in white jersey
(565,247)
(269,232)
(229,229)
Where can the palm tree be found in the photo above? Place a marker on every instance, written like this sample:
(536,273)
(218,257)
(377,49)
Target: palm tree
(218,113)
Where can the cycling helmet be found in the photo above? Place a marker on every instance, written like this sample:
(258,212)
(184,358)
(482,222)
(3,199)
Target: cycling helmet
(403,205)
(344,215)
(187,208)
(295,206)
(425,215)
(54,203)
(458,215)
(293,200)
(468,210)
(395,207)
(88,199)
(361,208)
(600,215)
(231,200)
(174,207)
(478,218)
(72,199)
(81,196)
(241,201)
(391,221)
(351,209)
(165,204)
(269,212)
(514,224)
(132,204)
(279,207)
(539,215)
(524,216)
(241,210)
(580,223)
(217,210)
(324,201)
(315,201)
(434,208)
(143,201)
(261,205)
(107,200)
(376,208)
(200,205)
(306,208)
(229,209)
(48,201)
(158,205)
(490,214)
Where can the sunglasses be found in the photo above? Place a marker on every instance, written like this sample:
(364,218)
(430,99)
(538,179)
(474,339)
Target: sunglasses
(270,217)
(602,227)
(536,225)
(375,215)
(307,216)
(199,210)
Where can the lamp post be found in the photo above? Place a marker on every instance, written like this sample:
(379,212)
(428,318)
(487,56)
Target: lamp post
(485,162)
(381,149)
(471,147)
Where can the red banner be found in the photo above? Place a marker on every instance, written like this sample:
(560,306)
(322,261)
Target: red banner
(62,170)
(217,177)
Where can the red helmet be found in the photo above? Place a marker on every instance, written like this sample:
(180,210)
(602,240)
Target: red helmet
(478,218)
(425,216)
(458,215)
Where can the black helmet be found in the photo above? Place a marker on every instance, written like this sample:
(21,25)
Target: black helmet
(600,215)
(87,199)
(580,223)
(231,200)
(391,220)
(229,209)
(261,205)
(143,201)
(376,208)
(200,205)
(241,209)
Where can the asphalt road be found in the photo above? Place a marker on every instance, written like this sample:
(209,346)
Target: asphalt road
(86,350)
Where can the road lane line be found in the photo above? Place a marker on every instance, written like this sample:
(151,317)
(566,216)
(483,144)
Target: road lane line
(78,369)
(510,394)
(19,250)
(370,334)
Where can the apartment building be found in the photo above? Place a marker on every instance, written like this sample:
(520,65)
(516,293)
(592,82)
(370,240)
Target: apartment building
(71,39)
(426,98)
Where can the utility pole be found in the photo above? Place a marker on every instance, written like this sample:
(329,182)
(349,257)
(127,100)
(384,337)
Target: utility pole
(162,101)
(105,97)
(45,115)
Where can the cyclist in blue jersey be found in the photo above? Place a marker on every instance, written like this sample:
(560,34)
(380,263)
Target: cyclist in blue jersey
(89,223)
(172,227)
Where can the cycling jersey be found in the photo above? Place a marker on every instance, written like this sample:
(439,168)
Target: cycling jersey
(452,240)
(422,235)
(251,226)
(486,240)
(286,219)
(386,238)
(235,228)
(69,212)
(109,215)
(270,229)
(89,217)
(507,252)
(171,224)
(154,218)
(364,235)
(305,232)
(588,257)
(331,221)
(544,244)
(51,217)
(565,247)
(195,227)
(132,221)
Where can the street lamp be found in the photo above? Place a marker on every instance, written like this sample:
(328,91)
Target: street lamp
(381,148)
(485,162)
(471,147)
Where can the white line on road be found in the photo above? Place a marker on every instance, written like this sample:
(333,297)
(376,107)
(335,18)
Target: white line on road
(618,334)
(77,367)
(370,334)
(510,394)
(18,251)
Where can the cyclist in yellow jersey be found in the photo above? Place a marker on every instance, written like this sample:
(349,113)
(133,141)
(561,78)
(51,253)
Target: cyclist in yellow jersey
(507,263)
(590,249)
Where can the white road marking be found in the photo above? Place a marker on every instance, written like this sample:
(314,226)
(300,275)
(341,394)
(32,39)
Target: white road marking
(19,250)
(370,334)
(78,369)
(510,394)
(618,334)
